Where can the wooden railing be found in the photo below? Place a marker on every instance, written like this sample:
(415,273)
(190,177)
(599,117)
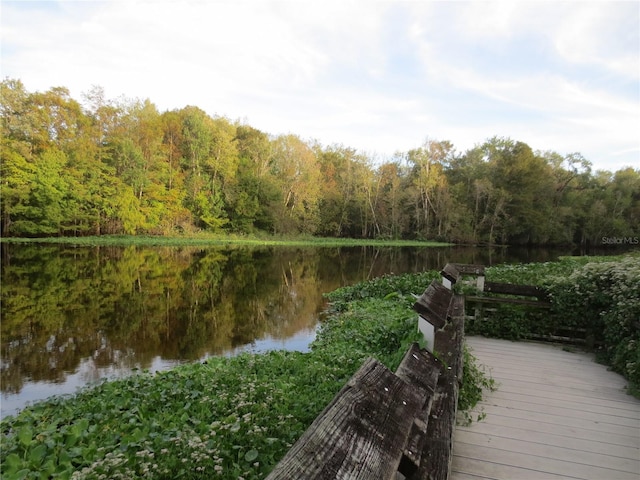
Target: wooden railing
(387,425)
(500,293)
(490,295)
(382,424)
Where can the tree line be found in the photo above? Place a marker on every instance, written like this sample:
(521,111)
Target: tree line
(120,166)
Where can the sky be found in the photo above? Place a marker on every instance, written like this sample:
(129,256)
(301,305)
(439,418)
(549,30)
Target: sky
(377,76)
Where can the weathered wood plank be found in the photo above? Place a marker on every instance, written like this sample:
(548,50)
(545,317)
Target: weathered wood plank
(543,466)
(566,432)
(470,269)
(437,453)
(569,410)
(420,369)
(361,434)
(512,301)
(588,402)
(580,440)
(434,303)
(630,431)
(453,271)
(449,341)
(574,404)
(514,289)
(557,383)
(557,452)
(483,469)
(556,414)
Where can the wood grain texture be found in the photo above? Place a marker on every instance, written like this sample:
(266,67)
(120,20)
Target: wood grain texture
(437,454)
(556,414)
(434,304)
(361,434)
(453,271)
(471,299)
(513,289)
(420,369)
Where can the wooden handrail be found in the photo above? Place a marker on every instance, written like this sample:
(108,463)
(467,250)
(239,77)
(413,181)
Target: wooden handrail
(381,422)
(515,289)
(452,272)
(434,304)
(361,434)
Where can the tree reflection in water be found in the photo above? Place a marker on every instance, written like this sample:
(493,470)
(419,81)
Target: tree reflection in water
(72,315)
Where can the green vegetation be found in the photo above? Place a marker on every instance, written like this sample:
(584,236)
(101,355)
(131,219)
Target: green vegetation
(604,299)
(597,298)
(236,417)
(229,417)
(122,167)
(226,240)
(476,380)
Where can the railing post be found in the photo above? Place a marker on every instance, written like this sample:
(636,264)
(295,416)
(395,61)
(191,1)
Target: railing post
(428,332)
(432,308)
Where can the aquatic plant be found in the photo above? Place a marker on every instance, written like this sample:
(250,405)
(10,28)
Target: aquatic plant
(226,418)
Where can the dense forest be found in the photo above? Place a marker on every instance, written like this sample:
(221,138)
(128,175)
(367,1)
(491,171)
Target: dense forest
(105,166)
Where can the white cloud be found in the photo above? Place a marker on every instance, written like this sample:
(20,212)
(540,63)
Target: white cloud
(379,76)
(488,21)
(598,34)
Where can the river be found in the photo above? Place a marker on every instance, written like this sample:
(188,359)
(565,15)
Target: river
(75,315)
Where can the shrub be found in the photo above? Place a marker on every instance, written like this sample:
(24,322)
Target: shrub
(599,296)
(604,299)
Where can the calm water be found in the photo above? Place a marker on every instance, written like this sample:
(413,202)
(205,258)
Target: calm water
(71,316)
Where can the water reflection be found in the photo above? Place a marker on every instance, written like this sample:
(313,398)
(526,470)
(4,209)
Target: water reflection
(74,315)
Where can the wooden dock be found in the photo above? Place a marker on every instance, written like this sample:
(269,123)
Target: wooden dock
(556,415)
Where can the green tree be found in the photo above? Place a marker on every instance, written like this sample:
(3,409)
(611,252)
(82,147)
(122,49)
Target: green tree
(430,187)
(44,212)
(46,139)
(172,140)
(623,206)
(525,181)
(204,158)
(253,200)
(17,180)
(571,175)
(359,177)
(339,212)
(172,176)
(391,210)
(16,169)
(296,169)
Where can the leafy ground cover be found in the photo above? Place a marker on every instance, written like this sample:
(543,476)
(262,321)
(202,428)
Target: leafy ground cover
(226,418)
(598,297)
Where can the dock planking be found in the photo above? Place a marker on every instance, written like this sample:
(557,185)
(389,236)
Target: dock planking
(556,414)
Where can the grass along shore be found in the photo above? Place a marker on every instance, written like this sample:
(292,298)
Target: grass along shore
(223,240)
